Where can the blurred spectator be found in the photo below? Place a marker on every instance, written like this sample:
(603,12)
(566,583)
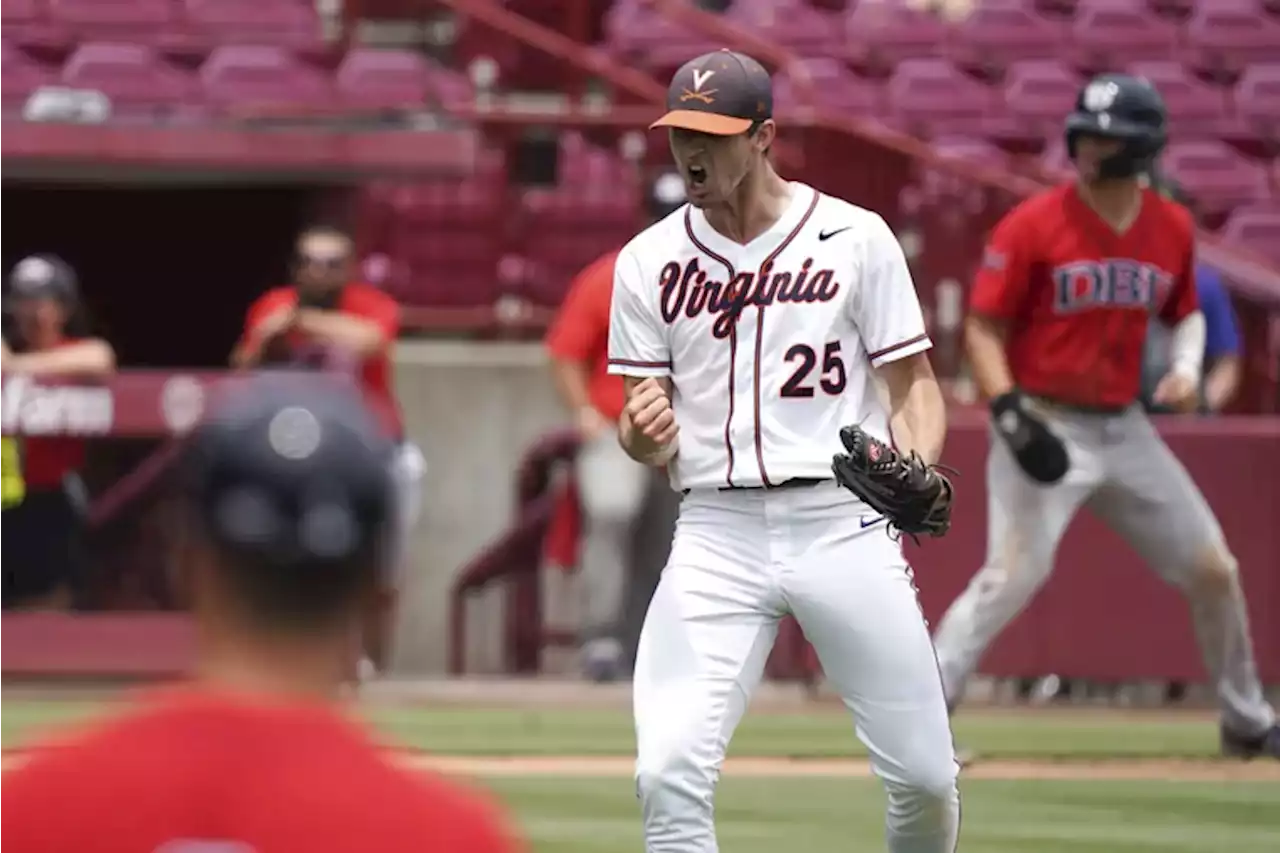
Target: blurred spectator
(49,338)
(289,500)
(1222,354)
(1221,348)
(613,490)
(327,317)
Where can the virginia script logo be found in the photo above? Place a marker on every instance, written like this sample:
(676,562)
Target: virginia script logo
(34,409)
(687,290)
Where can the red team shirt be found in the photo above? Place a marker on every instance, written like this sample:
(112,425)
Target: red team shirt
(359,300)
(48,459)
(198,772)
(1078,296)
(581,333)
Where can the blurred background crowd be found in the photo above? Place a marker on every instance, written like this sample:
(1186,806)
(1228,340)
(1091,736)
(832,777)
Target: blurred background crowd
(476,163)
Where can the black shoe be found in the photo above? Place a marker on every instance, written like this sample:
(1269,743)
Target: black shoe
(1265,745)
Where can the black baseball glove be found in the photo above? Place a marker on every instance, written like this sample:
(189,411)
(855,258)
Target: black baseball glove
(1039,452)
(914,497)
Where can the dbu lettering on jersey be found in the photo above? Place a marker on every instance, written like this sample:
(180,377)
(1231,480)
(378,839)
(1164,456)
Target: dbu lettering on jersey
(1111,283)
(687,290)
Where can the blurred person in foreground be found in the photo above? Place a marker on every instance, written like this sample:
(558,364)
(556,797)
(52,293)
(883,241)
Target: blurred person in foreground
(1222,347)
(328,317)
(623,503)
(49,337)
(289,502)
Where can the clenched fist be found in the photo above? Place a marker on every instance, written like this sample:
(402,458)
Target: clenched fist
(650,430)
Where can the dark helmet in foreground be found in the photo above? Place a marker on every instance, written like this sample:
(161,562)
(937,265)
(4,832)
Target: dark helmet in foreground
(1119,106)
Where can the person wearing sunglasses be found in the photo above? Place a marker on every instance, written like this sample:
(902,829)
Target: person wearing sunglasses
(329,318)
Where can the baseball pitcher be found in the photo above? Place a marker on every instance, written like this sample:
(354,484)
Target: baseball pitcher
(774,351)
(1059,314)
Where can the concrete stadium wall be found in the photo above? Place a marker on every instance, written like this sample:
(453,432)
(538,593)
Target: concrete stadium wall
(474,409)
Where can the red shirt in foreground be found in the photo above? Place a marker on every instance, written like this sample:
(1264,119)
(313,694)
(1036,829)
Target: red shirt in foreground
(581,333)
(191,769)
(359,300)
(1078,295)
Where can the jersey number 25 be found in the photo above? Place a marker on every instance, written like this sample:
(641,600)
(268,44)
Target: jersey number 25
(832,380)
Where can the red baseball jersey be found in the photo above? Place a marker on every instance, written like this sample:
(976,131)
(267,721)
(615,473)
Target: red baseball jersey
(581,333)
(48,459)
(198,772)
(1078,295)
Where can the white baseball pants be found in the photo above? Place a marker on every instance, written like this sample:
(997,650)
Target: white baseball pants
(741,561)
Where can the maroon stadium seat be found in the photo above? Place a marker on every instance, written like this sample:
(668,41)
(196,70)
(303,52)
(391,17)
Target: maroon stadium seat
(639,34)
(1226,35)
(1038,94)
(123,20)
(1257,98)
(1109,34)
(27,22)
(1257,228)
(1177,10)
(792,23)
(383,79)
(21,76)
(595,207)
(832,86)
(448,234)
(131,75)
(287,23)
(931,97)
(568,228)
(449,88)
(1214,176)
(879,35)
(260,76)
(448,268)
(1196,109)
(959,193)
(998,32)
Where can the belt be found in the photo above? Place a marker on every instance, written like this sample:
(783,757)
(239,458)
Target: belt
(793,483)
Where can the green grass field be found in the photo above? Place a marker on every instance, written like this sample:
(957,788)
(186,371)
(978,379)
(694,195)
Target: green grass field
(568,813)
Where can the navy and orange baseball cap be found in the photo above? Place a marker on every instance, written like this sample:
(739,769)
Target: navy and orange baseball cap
(722,93)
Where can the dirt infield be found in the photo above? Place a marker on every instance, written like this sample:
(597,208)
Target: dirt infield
(614,766)
(598,767)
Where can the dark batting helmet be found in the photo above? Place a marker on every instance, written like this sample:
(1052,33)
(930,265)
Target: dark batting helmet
(1118,106)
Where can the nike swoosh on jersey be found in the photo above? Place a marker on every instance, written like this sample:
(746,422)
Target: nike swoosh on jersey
(867,523)
(827,235)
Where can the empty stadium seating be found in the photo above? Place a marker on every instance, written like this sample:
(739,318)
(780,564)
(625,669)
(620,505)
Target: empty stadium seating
(990,85)
(133,76)
(999,32)
(1257,228)
(1037,93)
(260,76)
(383,79)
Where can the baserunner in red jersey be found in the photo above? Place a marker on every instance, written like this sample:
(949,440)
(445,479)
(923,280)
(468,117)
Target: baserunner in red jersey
(289,493)
(1057,325)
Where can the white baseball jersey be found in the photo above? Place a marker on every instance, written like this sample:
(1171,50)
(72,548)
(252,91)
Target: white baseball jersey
(769,345)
